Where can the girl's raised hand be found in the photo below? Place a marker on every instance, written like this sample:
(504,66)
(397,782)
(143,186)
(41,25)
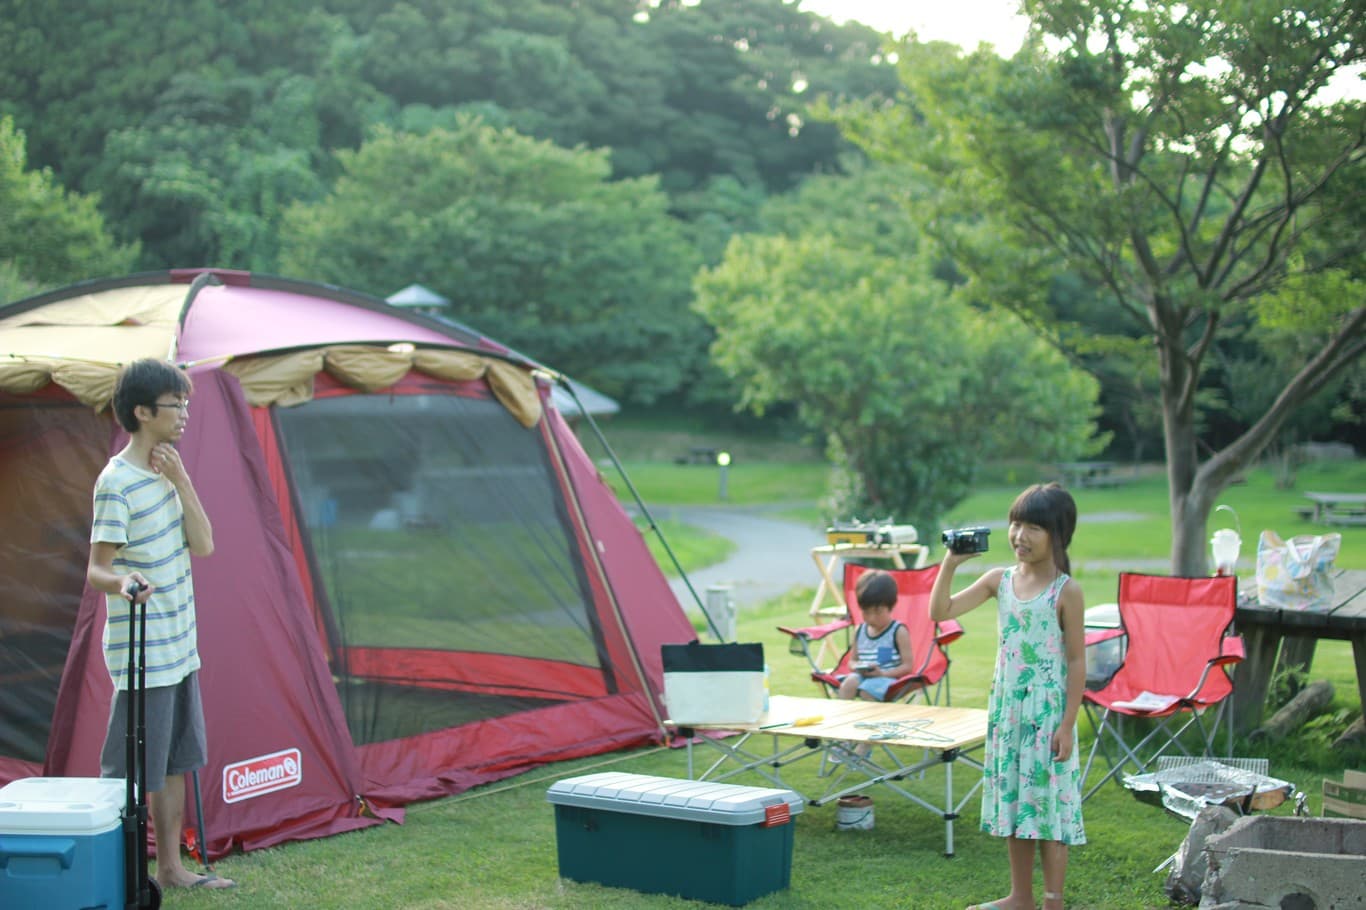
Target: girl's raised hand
(953,560)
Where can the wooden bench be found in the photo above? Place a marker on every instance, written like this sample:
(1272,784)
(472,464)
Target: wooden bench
(1338,508)
(698,455)
(1077,474)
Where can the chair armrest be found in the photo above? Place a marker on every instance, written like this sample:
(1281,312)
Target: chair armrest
(1231,650)
(900,686)
(948,631)
(1096,636)
(816,633)
(828,681)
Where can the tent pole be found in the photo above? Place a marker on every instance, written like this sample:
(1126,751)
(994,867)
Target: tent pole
(563,382)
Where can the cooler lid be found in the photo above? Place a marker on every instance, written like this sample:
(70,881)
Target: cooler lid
(61,805)
(668,797)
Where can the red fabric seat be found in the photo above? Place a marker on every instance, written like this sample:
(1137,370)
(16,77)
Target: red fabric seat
(1173,672)
(929,640)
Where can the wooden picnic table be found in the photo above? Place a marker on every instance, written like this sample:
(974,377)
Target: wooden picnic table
(1076,474)
(1265,628)
(1337,508)
(829,598)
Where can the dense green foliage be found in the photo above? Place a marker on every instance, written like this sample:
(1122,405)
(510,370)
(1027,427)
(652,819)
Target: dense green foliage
(841,312)
(531,241)
(661,129)
(47,234)
(1186,162)
(1141,178)
(219,115)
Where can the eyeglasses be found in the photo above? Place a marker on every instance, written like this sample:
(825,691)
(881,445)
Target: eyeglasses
(178,405)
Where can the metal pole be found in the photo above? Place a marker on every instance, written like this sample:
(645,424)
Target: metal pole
(640,503)
(199,818)
(720,604)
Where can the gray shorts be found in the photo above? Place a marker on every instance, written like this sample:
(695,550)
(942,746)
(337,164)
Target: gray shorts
(176,743)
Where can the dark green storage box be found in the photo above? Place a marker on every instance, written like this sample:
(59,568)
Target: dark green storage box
(721,843)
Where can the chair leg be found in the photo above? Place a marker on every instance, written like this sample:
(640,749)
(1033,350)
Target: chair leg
(1112,725)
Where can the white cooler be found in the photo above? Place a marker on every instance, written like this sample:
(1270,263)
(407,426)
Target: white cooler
(1104,657)
(61,844)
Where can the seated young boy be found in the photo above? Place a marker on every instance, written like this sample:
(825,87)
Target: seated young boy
(882,645)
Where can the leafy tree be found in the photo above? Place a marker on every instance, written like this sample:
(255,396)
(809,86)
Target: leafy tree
(1186,157)
(532,243)
(205,179)
(847,321)
(74,71)
(197,127)
(48,236)
(740,75)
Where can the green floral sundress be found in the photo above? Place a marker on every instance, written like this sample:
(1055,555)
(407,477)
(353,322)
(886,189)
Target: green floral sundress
(1025,793)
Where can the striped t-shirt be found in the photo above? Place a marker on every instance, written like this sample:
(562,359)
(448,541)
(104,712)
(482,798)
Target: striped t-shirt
(140,512)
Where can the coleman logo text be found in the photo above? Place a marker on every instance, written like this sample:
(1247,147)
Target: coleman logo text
(261,775)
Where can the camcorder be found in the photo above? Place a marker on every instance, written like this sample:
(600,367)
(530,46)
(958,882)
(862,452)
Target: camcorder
(966,540)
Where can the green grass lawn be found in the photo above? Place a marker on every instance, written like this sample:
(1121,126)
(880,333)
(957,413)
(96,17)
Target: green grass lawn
(747,483)
(495,847)
(693,548)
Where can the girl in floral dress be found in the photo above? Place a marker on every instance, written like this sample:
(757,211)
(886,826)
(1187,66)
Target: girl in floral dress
(1032,782)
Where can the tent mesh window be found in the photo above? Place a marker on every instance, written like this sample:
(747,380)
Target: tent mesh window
(448,578)
(51,451)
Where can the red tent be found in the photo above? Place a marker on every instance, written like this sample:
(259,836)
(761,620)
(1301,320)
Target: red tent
(420,582)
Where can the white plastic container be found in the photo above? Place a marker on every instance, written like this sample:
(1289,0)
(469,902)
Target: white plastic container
(61,843)
(1104,657)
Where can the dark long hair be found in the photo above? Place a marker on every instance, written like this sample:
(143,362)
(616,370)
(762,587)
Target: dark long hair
(1052,508)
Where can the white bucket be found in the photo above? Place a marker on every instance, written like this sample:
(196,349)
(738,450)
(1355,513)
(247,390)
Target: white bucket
(854,813)
(1225,545)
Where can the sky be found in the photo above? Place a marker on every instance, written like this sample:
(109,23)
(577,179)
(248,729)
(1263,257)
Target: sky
(965,23)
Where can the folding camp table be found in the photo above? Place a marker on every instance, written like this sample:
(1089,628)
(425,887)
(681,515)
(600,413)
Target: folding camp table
(776,739)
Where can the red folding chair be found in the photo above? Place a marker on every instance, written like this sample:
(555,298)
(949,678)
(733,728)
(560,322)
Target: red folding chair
(929,640)
(1173,672)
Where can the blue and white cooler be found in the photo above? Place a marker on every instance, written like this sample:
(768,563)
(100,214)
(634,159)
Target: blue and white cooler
(61,844)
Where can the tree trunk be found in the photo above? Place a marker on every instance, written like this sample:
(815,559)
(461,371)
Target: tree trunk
(1185,499)
(1354,737)
(1312,699)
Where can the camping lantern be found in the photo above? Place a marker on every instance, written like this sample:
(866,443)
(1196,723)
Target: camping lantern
(1225,545)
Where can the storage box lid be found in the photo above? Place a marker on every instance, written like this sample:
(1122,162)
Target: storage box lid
(61,805)
(668,797)
(1101,616)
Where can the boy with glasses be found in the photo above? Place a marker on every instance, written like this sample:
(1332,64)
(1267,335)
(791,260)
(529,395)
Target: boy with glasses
(148,522)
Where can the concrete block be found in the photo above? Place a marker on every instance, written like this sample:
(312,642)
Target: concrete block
(1288,863)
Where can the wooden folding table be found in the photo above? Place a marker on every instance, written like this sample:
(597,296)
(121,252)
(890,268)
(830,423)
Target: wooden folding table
(795,728)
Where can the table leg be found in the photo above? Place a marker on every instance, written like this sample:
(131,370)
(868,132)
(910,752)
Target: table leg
(1359,657)
(1252,677)
(950,812)
(827,583)
(1297,652)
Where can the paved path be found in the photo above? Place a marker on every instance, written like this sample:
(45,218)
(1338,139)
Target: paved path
(772,555)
